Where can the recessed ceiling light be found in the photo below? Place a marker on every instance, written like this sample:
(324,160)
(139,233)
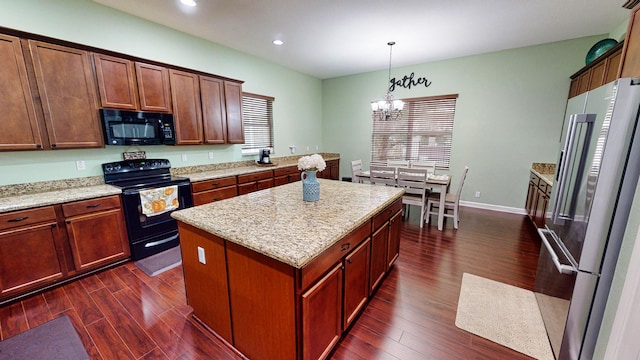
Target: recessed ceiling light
(278,42)
(188,2)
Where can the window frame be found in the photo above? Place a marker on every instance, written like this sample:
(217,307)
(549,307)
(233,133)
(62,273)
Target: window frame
(423,118)
(255,119)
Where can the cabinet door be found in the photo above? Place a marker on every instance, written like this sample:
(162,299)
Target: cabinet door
(233,103)
(68,94)
(116,82)
(379,241)
(213,110)
(153,87)
(19,128)
(612,65)
(321,315)
(393,249)
(29,258)
(356,281)
(97,238)
(541,208)
(630,66)
(187,113)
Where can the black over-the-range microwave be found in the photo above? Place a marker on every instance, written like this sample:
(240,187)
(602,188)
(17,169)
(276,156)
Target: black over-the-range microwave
(123,127)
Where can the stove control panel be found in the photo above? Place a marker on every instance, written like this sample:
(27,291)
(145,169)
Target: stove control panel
(125,166)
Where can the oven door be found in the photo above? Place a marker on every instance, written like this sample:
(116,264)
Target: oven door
(151,234)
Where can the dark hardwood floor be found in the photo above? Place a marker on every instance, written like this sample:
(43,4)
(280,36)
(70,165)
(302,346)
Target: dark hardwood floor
(123,314)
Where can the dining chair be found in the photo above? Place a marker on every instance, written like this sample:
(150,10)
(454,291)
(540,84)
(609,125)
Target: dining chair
(385,175)
(414,183)
(429,165)
(356,168)
(398,163)
(452,202)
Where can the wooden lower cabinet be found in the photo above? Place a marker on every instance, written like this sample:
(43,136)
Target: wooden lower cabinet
(393,249)
(43,246)
(29,258)
(537,202)
(379,243)
(322,315)
(249,183)
(274,310)
(208,191)
(286,175)
(97,232)
(356,282)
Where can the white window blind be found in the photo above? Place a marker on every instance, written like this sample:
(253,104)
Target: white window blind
(424,132)
(257,118)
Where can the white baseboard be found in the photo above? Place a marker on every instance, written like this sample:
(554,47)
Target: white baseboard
(507,209)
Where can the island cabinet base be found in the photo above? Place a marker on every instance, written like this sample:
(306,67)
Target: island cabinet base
(268,309)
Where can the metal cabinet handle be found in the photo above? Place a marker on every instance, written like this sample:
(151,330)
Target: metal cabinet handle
(93,206)
(19,219)
(350,261)
(345,247)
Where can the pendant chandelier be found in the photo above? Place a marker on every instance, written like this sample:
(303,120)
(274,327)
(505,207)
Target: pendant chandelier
(387,109)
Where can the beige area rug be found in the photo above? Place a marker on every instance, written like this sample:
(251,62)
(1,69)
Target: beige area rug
(504,314)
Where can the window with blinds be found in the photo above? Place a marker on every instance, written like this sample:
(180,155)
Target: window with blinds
(423,132)
(257,119)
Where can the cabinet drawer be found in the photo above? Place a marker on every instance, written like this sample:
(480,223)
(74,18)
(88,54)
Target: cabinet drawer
(386,214)
(27,217)
(290,170)
(91,205)
(206,197)
(549,187)
(534,179)
(213,184)
(543,186)
(318,266)
(255,176)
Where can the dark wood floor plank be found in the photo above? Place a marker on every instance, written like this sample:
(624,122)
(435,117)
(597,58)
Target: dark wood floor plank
(86,339)
(57,301)
(36,311)
(412,315)
(83,303)
(111,281)
(12,320)
(163,335)
(109,344)
(91,283)
(136,338)
(203,345)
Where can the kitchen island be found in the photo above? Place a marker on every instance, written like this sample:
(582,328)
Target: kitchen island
(280,278)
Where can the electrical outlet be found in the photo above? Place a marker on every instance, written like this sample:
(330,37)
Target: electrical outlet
(80,165)
(210,155)
(184,157)
(307,147)
(317,147)
(477,194)
(201,256)
(293,149)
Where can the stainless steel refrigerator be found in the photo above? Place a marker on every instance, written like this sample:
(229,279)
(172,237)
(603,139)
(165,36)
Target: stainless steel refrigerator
(595,181)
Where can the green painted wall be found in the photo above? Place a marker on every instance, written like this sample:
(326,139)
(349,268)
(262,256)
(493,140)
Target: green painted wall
(297,108)
(509,113)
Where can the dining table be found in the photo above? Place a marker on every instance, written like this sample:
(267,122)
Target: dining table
(440,182)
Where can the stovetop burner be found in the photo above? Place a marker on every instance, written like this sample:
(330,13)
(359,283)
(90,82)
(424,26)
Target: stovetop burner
(139,173)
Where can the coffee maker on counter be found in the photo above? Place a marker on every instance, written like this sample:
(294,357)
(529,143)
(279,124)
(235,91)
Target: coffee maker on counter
(264,156)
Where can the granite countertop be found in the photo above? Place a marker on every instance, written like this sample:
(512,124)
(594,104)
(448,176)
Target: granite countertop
(31,200)
(202,173)
(30,195)
(276,222)
(544,171)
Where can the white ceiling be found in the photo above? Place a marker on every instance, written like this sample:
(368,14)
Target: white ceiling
(331,38)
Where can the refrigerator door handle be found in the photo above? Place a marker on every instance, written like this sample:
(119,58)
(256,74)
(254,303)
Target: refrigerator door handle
(562,268)
(563,170)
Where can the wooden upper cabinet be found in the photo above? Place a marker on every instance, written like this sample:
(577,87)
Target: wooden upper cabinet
(153,87)
(612,66)
(68,94)
(187,112)
(630,63)
(214,115)
(233,102)
(19,128)
(116,82)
